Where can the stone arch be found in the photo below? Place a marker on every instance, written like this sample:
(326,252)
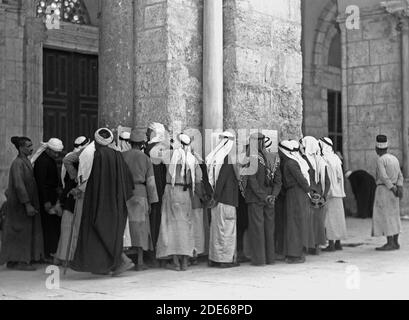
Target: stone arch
(326,30)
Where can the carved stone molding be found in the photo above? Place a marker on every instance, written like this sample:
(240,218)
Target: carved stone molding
(399,8)
(74,37)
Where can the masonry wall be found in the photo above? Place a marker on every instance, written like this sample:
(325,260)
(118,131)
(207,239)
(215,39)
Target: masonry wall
(319,29)
(168,56)
(263,65)
(11,86)
(372,87)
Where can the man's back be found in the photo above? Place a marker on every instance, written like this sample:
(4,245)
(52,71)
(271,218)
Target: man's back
(388,168)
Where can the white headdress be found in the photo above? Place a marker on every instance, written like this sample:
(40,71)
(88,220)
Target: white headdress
(215,159)
(53,144)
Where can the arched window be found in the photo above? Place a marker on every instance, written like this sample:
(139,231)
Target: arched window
(335,51)
(73,11)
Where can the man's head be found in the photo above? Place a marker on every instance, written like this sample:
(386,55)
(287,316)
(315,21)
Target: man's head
(54,148)
(137,138)
(103,137)
(23,145)
(258,139)
(381,145)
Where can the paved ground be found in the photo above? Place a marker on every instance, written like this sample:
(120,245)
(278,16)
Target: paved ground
(358,272)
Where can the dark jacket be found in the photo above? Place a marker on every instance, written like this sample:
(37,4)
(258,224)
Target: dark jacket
(227,186)
(47,178)
(258,187)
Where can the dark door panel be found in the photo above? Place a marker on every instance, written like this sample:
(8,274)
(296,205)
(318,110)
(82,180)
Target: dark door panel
(70,95)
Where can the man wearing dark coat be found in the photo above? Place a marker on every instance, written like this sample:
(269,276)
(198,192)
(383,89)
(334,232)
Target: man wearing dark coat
(363,187)
(295,178)
(48,182)
(22,240)
(262,189)
(110,186)
(156,135)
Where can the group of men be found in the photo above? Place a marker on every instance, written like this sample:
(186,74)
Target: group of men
(153,198)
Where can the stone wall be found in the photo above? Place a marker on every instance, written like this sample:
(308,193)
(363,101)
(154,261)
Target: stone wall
(12,108)
(372,87)
(168,69)
(263,65)
(319,77)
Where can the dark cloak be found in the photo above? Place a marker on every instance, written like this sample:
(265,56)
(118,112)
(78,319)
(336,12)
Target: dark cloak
(363,187)
(48,180)
(159,171)
(100,239)
(22,235)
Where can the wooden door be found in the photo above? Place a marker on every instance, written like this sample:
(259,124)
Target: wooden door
(70,88)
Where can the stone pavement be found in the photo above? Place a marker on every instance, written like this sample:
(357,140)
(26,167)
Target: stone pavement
(328,276)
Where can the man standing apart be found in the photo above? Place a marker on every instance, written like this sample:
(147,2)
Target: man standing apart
(389,180)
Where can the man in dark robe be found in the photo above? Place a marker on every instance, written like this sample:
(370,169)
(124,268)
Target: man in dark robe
(110,185)
(22,239)
(156,134)
(262,189)
(363,187)
(48,182)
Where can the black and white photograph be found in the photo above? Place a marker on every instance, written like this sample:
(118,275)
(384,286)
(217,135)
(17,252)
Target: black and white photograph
(216,152)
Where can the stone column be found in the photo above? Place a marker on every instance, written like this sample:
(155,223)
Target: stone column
(404,26)
(116,62)
(212,67)
(400,9)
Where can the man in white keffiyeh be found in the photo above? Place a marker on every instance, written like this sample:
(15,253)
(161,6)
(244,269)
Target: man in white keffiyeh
(334,209)
(223,229)
(176,239)
(320,183)
(296,183)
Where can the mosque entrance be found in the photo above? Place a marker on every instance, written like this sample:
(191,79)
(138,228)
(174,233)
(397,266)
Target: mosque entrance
(70,95)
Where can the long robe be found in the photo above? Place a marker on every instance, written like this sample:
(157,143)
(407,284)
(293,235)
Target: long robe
(296,206)
(159,172)
(22,235)
(223,227)
(262,217)
(68,206)
(144,195)
(47,178)
(314,233)
(100,240)
(363,187)
(386,213)
(176,229)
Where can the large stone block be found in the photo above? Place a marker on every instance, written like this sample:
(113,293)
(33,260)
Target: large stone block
(155,15)
(152,46)
(385,51)
(360,94)
(378,27)
(151,110)
(150,2)
(393,132)
(387,92)
(151,80)
(358,54)
(394,113)
(391,72)
(370,159)
(357,160)
(354,35)
(362,135)
(368,74)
